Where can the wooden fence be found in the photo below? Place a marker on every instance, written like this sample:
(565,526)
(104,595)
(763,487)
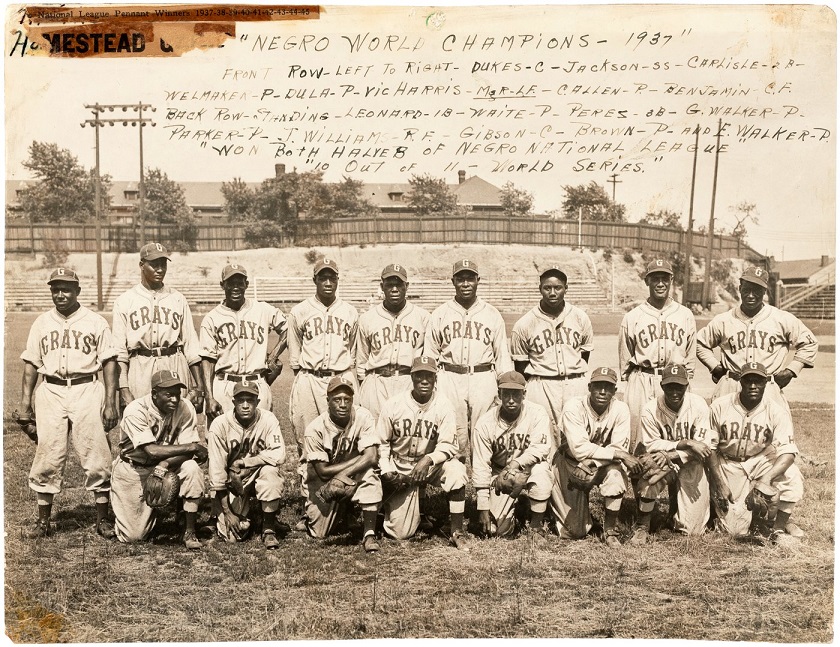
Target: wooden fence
(474,228)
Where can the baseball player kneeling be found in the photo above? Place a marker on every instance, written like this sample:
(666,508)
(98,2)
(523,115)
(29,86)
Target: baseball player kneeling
(593,451)
(675,435)
(511,446)
(158,442)
(246,449)
(752,460)
(341,448)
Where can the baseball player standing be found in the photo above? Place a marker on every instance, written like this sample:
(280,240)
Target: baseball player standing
(417,446)
(234,343)
(391,335)
(676,426)
(752,442)
(596,432)
(67,346)
(514,435)
(157,429)
(467,337)
(550,346)
(755,332)
(652,335)
(153,330)
(246,442)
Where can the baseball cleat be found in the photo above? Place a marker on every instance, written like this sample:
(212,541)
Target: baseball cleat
(269,540)
(611,539)
(38,529)
(370,544)
(639,537)
(459,540)
(794,531)
(105,529)
(191,541)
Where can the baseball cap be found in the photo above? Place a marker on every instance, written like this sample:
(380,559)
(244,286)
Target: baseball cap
(152,251)
(63,274)
(339,381)
(604,374)
(753,368)
(246,386)
(512,380)
(465,264)
(232,270)
(659,265)
(755,275)
(395,270)
(424,364)
(325,264)
(674,374)
(555,269)
(166,378)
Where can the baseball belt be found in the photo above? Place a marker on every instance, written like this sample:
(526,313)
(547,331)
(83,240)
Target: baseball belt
(652,371)
(737,376)
(391,371)
(236,377)
(466,370)
(571,376)
(73,381)
(321,372)
(132,462)
(163,351)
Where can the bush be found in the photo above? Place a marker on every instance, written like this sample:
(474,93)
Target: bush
(607,254)
(264,234)
(55,252)
(312,255)
(628,257)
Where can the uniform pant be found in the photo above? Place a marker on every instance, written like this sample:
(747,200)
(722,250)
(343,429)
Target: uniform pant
(402,506)
(63,412)
(141,369)
(727,385)
(308,400)
(134,519)
(476,391)
(570,508)
(321,517)
(553,396)
(641,389)
(223,393)
(376,389)
(266,484)
(503,506)
(739,476)
(692,497)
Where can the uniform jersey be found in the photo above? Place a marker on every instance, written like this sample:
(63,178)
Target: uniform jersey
(143,423)
(388,339)
(408,431)
(238,339)
(69,346)
(228,441)
(468,337)
(496,442)
(552,346)
(765,338)
(739,434)
(654,338)
(322,337)
(589,435)
(663,428)
(325,442)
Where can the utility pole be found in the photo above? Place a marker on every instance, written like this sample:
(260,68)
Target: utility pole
(707,297)
(142,211)
(614,180)
(689,233)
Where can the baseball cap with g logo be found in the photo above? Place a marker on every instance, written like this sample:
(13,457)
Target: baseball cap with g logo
(232,270)
(166,378)
(153,251)
(604,374)
(755,275)
(659,265)
(246,386)
(465,265)
(64,274)
(424,364)
(753,368)
(395,270)
(675,374)
(325,264)
(339,382)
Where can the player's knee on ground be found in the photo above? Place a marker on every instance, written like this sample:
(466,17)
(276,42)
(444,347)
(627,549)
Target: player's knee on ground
(192,480)
(540,482)
(453,475)
(269,484)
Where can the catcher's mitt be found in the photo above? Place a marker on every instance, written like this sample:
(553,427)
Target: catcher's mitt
(161,487)
(395,480)
(337,488)
(238,477)
(653,472)
(762,496)
(510,481)
(582,476)
(27,425)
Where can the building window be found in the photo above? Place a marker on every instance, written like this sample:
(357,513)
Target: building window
(396,196)
(131,195)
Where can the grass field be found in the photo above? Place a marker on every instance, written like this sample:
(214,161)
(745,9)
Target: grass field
(75,587)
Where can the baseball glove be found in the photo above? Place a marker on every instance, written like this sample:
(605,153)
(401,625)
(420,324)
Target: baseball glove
(27,425)
(653,472)
(337,488)
(161,487)
(395,480)
(582,476)
(762,497)
(510,481)
(238,477)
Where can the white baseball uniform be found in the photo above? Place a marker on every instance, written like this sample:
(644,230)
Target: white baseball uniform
(649,340)
(748,443)
(765,338)
(594,439)
(661,430)
(386,346)
(261,442)
(322,341)
(63,348)
(325,442)
(552,347)
(237,340)
(143,423)
(471,348)
(407,431)
(153,331)
(496,442)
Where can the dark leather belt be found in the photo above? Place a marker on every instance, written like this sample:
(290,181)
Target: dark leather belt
(132,462)
(73,381)
(651,371)
(321,372)
(391,371)
(559,377)
(465,370)
(163,351)
(737,460)
(234,377)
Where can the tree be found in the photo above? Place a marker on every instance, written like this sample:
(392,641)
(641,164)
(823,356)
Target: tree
(347,200)
(64,190)
(239,199)
(517,203)
(663,218)
(431,196)
(744,212)
(165,204)
(593,199)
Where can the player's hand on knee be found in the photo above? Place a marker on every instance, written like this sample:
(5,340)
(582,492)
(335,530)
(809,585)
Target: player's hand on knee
(783,378)
(484,523)
(718,372)
(420,473)
(632,463)
(700,450)
(199,452)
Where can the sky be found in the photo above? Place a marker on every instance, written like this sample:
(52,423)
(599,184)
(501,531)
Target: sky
(517,105)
